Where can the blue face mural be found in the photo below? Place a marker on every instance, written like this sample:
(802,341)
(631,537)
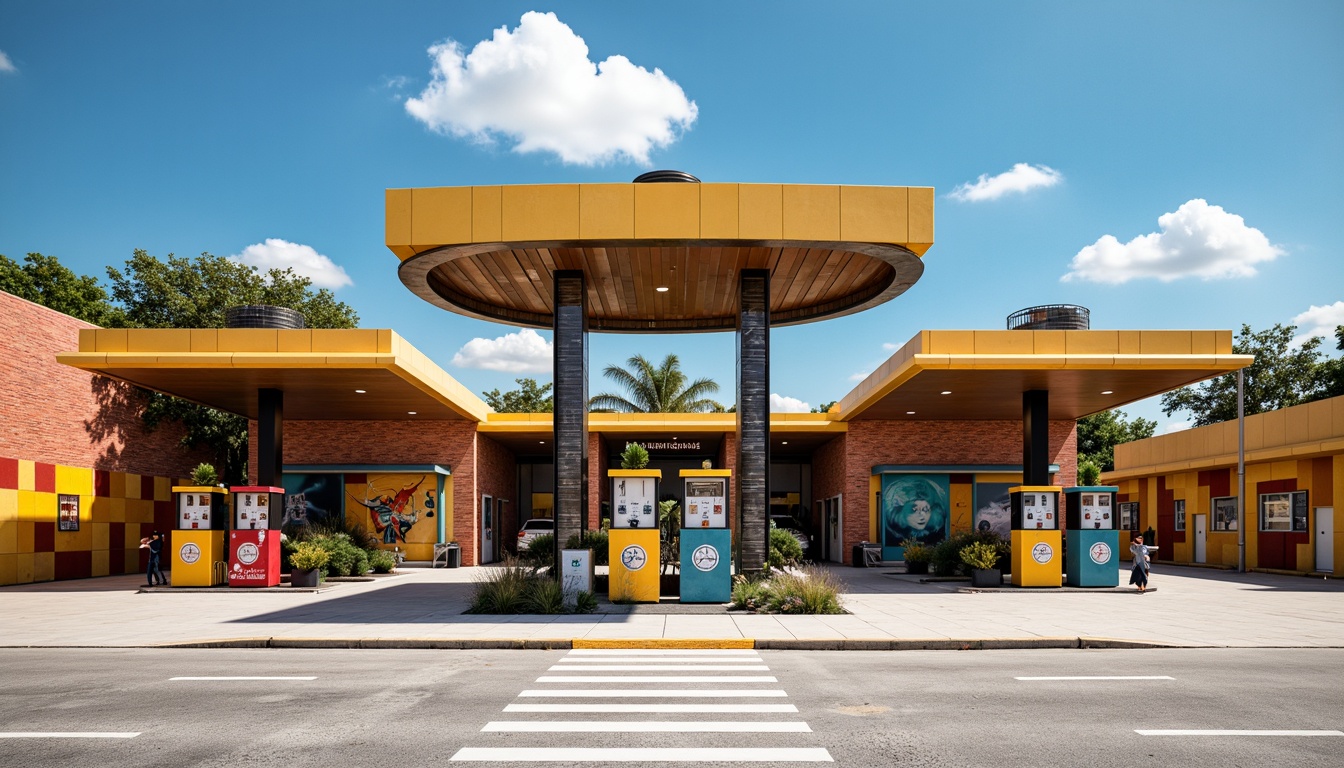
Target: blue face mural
(313,498)
(914,508)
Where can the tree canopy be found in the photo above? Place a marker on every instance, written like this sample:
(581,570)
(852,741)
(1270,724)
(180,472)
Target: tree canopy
(528,398)
(1281,376)
(656,389)
(1099,433)
(44,280)
(825,407)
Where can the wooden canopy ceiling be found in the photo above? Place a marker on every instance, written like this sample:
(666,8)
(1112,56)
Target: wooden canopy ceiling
(659,257)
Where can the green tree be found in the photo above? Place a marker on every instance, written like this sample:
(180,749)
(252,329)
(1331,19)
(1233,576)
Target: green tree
(193,293)
(44,280)
(1332,371)
(1281,376)
(824,407)
(528,398)
(660,389)
(1099,433)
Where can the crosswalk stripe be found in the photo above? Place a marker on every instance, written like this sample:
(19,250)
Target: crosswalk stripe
(242,677)
(1231,732)
(656,679)
(1098,677)
(656,668)
(663,652)
(667,709)
(650,693)
(642,754)
(709,661)
(645,726)
(69,734)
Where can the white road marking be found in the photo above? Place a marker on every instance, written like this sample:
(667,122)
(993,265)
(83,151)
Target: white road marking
(663,652)
(641,754)
(1229,732)
(68,734)
(1099,677)
(707,660)
(647,693)
(645,726)
(656,668)
(656,679)
(717,709)
(244,677)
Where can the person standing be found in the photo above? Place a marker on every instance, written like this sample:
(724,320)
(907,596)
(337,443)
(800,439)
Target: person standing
(155,551)
(1139,575)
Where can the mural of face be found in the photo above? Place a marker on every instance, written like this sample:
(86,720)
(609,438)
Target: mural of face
(920,512)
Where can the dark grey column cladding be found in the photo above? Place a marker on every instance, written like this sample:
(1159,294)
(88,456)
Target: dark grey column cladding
(570,377)
(1036,437)
(753,419)
(270,436)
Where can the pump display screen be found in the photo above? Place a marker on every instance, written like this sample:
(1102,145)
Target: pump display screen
(1095,511)
(193,511)
(634,502)
(251,511)
(1038,511)
(705,504)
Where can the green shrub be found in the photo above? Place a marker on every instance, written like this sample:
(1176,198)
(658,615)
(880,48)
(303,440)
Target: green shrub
(308,556)
(204,474)
(751,592)
(382,561)
(598,541)
(585,602)
(809,590)
(784,550)
(634,457)
(1088,472)
(540,551)
(916,552)
(503,589)
(947,554)
(359,564)
(544,595)
(980,555)
(345,556)
(287,547)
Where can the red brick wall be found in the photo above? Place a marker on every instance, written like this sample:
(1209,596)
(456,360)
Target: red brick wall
(61,415)
(599,490)
(496,476)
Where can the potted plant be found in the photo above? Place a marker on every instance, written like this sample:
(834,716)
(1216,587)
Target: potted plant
(308,561)
(981,557)
(634,457)
(204,475)
(917,557)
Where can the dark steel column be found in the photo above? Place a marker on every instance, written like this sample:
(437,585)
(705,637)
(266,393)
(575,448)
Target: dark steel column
(1036,437)
(570,378)
(270,436)
(753,419)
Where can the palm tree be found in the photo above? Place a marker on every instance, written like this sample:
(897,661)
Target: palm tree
(656,390)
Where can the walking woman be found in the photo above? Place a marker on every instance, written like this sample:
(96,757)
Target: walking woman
(1139,576)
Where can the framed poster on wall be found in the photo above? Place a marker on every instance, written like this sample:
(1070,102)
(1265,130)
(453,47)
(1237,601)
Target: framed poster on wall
(67,512)
(1129,515)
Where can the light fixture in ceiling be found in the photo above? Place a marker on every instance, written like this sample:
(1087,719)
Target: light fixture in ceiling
(1107,392)
(661,289)
(411,413)
(359,391)
(945,392)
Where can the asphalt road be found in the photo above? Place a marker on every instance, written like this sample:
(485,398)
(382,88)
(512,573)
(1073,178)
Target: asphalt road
(416,708)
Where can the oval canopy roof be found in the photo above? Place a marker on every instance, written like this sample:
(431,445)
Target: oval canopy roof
(659,257)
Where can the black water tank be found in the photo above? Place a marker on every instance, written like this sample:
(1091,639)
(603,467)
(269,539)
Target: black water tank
(1051,317)
(262,316)
(656,177)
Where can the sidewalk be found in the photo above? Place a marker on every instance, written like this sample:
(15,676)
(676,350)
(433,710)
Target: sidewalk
(424,608)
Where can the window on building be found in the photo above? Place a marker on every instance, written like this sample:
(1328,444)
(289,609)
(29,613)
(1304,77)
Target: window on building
(1300,511)
(1129,515)
(1225,513)
(1180,514)
(1276,511)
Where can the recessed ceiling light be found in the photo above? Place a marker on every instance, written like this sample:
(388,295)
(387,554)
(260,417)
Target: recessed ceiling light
(543,442)
(1107,392)
(661,289)
(909,413)
(945,392)
(412,413)
(359,391)
(786,442)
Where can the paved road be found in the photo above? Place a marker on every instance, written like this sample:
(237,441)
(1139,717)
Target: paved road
(418,707)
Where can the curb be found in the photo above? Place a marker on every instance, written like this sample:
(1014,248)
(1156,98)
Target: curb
(791,644)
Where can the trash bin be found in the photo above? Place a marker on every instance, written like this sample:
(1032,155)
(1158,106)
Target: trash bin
(866,554)
(452,556)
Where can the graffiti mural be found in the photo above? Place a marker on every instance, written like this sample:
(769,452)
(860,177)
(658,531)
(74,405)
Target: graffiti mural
(391,502)
(914,508)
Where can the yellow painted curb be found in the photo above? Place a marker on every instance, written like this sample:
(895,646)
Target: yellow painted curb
(684,643)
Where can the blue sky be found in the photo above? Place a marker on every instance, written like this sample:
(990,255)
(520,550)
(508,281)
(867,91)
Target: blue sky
(1180,163)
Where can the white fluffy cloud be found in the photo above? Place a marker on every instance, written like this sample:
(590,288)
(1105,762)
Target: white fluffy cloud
(523,352)
(536,86)
(1319,321)
(1197,240)
(279,254)
(1022,177)
(5,64)
(782,404)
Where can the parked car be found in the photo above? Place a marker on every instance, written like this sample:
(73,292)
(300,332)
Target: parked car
(793,527)
(533,528)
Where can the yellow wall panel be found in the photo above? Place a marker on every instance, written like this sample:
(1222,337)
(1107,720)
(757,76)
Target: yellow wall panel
(100,560)
(718,211)
(102,535)
(607,210)
(811,212)
(1296,426)
(960,497)
(667,210)
(1204,342)
(9,570)
(1091,342)
(27,475)
(9,537)
(75,541)
(131,561)
(116,510)
(204,340)
(132,485)
(760,211)
(139,510)
(110,340)
(397,224)
(294,340)
(487,214)
(541,212)
(875,214)
(163,489)
(1283,470)
(1320,418)
(28,510)
(440,216)
(1003,343)
(1254,430)
(921,214)
(1049,342)
(44,566)
(248,340)
(88,339)
(1129,342)
(1164,342)
(334,340)
(100,509)
(166,340)
(1274,424)
(23,568)
(9,505)
(951,343)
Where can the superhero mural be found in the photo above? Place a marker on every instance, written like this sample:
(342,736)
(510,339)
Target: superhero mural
(398,508)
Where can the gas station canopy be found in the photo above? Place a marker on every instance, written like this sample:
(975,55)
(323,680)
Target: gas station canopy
(659,258)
